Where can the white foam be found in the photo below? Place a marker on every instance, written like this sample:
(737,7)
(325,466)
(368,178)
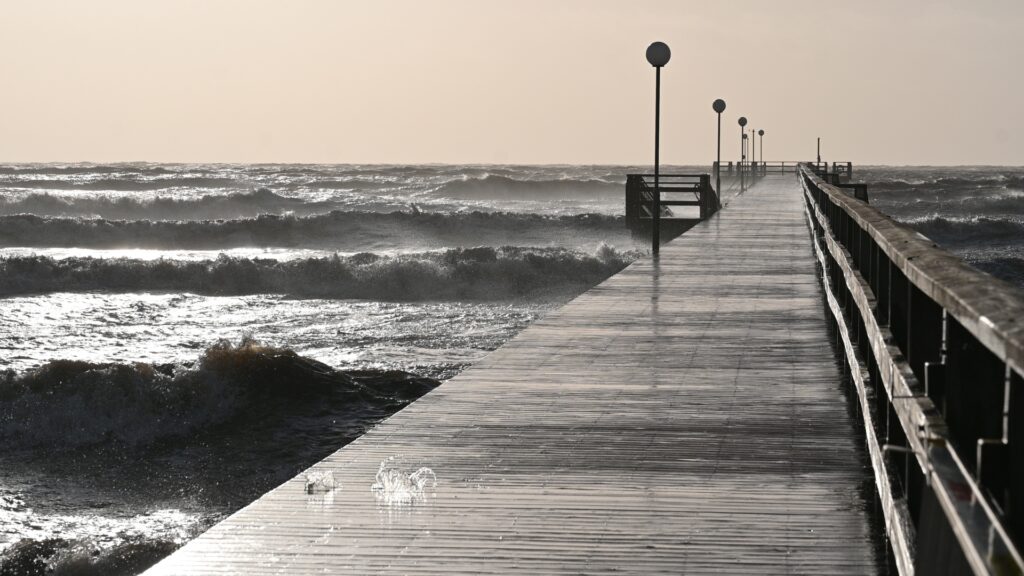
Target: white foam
(320,481)
(396,486)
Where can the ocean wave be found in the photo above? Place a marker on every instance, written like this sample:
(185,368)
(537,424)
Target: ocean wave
(126,184)
(953,230)
(947,184)
(65,169)
(66,556)
(216,433)
(496,187)
(1008,199)
(233,205)
(462,274)
(346,230)
(995,205)
(1010,269)
(66,404)
(347,184)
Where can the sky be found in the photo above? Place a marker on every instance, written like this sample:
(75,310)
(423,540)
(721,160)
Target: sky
(512,82)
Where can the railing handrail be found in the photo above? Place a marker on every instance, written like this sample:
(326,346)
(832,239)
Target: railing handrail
(695,176)
(989,308)
(936,341)
(693,184)
(762,166)
(639,191)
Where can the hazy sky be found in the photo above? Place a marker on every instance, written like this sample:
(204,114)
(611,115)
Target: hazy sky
(895,82)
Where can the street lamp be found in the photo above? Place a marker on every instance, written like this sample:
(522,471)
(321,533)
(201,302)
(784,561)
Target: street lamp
(718,106)
(743,142)
(743,162)
(761,134)
(753,152)
(658,55)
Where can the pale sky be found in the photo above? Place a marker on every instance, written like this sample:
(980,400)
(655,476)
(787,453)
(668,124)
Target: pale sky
(523,81)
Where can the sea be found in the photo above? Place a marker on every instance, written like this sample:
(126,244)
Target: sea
(175,340)
(975,212)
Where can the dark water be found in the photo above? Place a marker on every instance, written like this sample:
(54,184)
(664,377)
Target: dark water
(129,423)
(109,467)
(975,212)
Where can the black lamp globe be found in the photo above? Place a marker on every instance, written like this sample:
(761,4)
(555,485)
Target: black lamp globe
(658,54)
(718,105)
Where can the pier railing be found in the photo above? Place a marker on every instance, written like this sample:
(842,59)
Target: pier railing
(935,350)
(766,167)
(677,190)
(841,170)
(760,167)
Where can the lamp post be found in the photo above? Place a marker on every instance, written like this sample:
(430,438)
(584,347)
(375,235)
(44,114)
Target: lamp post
(753,153)
(743,142)
(761,134)
(718,106)
(658,55)
(743,161)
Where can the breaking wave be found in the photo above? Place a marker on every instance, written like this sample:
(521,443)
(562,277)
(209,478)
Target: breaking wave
(1010,269)
(67,404)
(224,429)
(964,230)
(345,184)
(993,205)
(457,274)
(495,187)
(950,183)
(58,169)
(60,556)
(351,230)
(234,205)
(127,183)
(952,196)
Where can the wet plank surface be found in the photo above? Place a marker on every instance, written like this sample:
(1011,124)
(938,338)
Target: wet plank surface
(685,416)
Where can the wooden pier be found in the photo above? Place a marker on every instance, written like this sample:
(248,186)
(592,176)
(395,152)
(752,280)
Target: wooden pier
(685,416)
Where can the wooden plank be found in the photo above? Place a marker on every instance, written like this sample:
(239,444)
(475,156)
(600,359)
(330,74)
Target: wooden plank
(685,415)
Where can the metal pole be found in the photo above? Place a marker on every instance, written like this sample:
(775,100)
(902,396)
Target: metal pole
(746,151)
(743,156)
(718,163)
(819,149)
(656,216)
(658,55)
(743,147)
(753,150)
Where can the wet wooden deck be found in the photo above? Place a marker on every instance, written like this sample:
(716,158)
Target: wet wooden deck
(685,416)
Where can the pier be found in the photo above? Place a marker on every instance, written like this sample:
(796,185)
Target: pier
(795,385)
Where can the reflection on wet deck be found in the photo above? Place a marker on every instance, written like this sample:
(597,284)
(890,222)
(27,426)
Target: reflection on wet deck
(684,416)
